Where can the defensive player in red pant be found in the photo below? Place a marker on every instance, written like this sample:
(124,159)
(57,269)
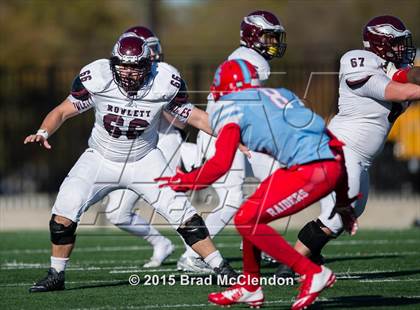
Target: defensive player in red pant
(274,121)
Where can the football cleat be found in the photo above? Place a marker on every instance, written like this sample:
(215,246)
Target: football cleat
(193,264)
(238,294)
(267,258)
(312,285)
(318,259)
(54,281)
(264,256)
(226,270)
(160,252)
(284,272)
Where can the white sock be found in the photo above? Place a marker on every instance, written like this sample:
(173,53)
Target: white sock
(59,263)
(154,237)
(214,259)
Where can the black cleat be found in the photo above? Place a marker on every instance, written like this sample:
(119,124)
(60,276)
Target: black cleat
(226,270)
(284,272)
(54,281)
(267,258)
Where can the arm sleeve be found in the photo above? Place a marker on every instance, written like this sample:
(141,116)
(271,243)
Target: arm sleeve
(401,75)
(179,107)
(226,146)
(373,87)
(80,96)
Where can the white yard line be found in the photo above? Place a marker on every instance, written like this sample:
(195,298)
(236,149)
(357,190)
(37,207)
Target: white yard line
(353,275)
(67,282)
(389,280)
(114,269)
(126,266)
(219,245)
(368,242)
(186,306)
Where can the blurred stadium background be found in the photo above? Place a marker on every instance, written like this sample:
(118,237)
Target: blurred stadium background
(45,43)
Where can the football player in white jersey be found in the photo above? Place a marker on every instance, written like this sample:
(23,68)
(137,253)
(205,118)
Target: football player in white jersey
(369,103)
(121,202)
(129,94)
(262,39)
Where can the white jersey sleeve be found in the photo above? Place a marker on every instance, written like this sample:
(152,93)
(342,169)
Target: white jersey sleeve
(96,76)
(173,90)
(254,58)
(359,64)
(168,80)
(364,74)
(374,87)
(93,78)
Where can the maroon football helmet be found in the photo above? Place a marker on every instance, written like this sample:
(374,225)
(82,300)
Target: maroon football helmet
(151,39)
(387,37)
(130,63)
(263,32)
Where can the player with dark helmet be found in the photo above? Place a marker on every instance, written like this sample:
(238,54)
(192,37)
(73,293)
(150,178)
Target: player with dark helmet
(129,95)
(130,63)
(263,32)
(262,39)
(151,39)
(387,37)
(370,100)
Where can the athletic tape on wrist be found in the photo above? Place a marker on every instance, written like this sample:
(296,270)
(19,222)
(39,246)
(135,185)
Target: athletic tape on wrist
(43,133)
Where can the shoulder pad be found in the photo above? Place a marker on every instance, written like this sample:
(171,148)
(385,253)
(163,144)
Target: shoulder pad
(358,64)
(167,82)
(242,97)
(96,76)
(254,58)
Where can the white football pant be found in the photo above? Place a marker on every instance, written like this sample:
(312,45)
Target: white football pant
(358,182)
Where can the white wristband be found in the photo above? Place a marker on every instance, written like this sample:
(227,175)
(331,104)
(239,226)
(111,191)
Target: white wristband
(43,133)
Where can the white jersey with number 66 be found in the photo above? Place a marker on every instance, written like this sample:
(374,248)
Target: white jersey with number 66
(125,126)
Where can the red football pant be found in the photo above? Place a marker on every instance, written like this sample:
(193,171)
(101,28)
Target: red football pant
(284,193)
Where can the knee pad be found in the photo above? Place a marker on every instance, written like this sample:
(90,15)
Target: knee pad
(313,237)
(193,230)
(60,234)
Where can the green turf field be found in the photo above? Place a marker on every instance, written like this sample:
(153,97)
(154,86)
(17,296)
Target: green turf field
(375,270)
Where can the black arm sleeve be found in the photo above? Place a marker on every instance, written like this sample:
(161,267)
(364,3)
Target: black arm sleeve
(181,97)
(78,90)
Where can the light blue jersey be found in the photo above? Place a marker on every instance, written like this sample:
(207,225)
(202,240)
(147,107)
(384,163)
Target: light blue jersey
(274,121)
